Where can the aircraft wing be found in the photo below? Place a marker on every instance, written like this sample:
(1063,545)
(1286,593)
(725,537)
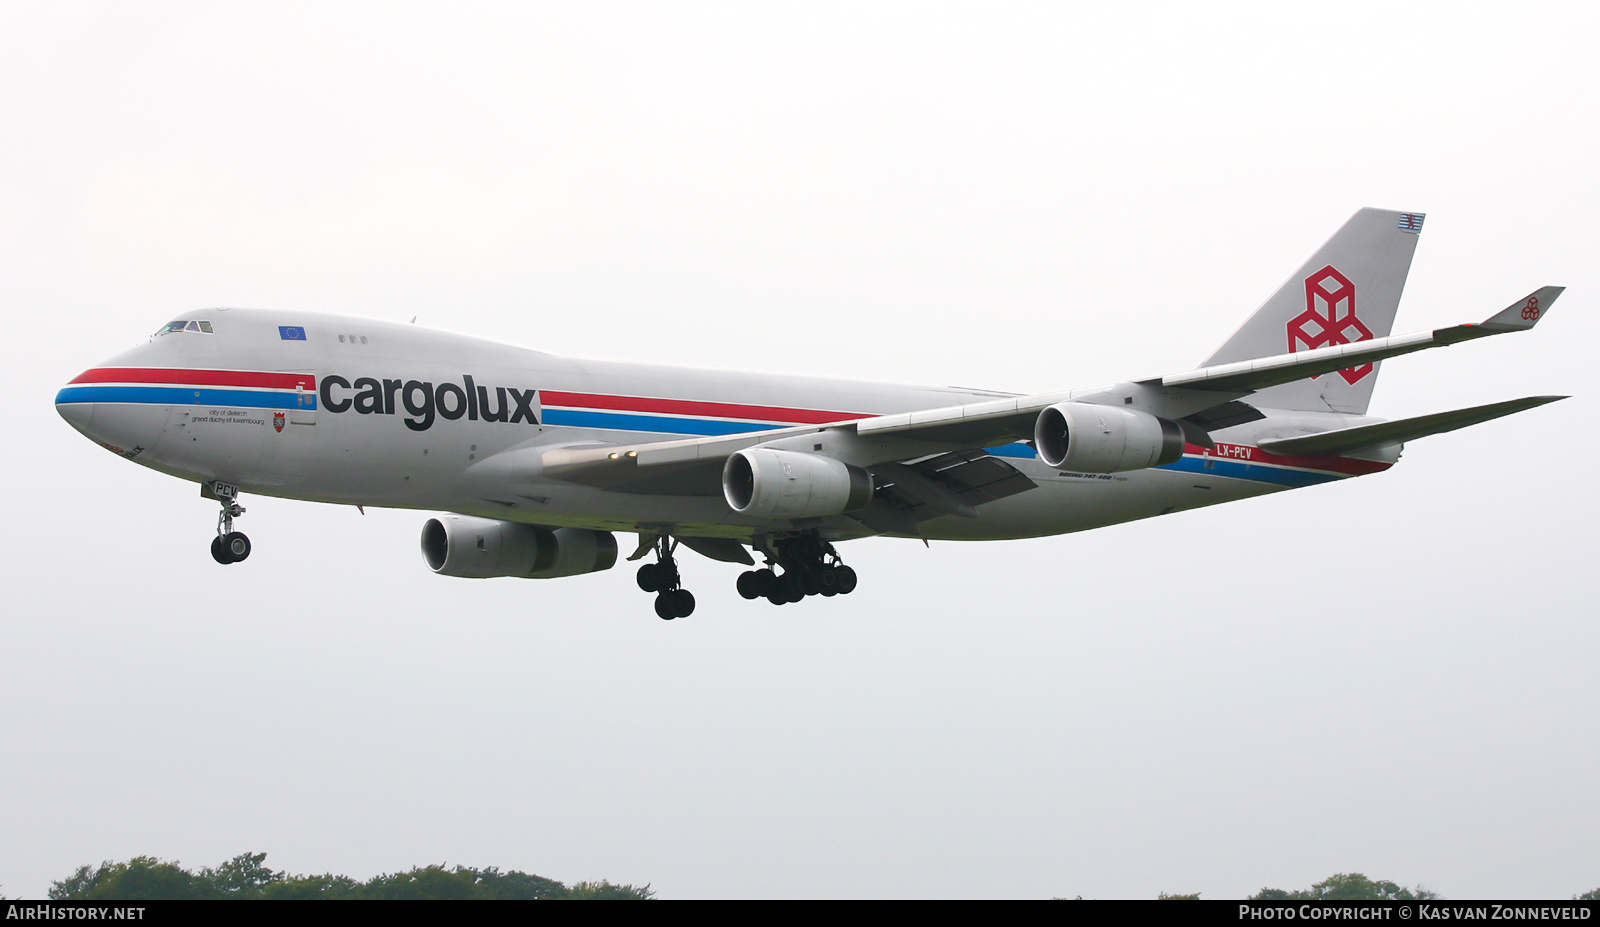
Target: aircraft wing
(1285,368)
(1201,400)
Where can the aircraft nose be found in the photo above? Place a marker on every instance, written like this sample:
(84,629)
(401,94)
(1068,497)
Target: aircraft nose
(76,407)
(109,415)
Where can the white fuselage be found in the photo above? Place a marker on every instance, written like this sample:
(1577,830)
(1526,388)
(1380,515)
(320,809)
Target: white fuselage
(351,411)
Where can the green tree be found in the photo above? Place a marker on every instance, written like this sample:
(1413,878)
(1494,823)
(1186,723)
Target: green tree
(1178,897)
(513,885)
(325,887)
(247,876)
(74,886)
(143,878)
(244,876)
(1591,895)
(435,882)
(605,891)
(1352,886)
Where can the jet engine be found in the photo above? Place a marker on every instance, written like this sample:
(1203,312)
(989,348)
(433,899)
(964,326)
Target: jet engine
(767,483)
(1089,438)
(460,545)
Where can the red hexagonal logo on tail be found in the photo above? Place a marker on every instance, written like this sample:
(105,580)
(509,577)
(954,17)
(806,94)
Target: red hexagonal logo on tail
(1329,319)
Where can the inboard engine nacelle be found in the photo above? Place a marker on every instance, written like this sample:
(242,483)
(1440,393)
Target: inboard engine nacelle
(768,483)
(460,545)
(1089,438)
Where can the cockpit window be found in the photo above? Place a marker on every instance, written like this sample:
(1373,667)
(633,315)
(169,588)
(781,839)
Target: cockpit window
(186,325)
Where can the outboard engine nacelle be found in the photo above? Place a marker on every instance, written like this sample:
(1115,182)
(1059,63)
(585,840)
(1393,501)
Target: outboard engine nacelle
(767,483)
(460,545)
(1088,438)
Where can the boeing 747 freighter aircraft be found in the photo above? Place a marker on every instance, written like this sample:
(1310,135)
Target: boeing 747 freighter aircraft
(539,459)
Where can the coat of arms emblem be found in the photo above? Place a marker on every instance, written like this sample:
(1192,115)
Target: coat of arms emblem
(277,422)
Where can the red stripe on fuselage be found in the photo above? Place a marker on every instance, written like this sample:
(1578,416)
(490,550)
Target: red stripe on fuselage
(184,377)
(693,407)
(1248,454)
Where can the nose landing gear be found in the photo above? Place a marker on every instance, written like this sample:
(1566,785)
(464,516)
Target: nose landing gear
(229,546)
(810,566)
(662,578)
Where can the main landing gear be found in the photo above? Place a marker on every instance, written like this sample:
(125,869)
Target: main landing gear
(810,567)
(661,577)
(229,546)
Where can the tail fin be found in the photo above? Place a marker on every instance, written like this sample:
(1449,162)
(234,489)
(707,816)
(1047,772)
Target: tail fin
(1348,291)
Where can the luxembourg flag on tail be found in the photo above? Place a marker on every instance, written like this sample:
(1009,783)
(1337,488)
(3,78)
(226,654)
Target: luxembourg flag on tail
(1412,222)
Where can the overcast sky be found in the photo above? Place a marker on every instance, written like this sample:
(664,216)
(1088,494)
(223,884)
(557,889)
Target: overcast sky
(1394,675)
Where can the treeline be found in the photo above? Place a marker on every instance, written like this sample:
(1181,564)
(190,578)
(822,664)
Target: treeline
(246,876)
(1351,886)
(1348,886)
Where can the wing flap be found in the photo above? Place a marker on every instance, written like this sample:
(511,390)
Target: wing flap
(953,483)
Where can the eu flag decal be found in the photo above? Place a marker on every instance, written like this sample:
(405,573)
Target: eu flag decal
(291,333)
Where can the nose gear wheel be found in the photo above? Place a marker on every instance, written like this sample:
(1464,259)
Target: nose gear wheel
(229,546)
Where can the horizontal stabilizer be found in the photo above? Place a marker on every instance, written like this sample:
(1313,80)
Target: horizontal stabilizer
(1329,443)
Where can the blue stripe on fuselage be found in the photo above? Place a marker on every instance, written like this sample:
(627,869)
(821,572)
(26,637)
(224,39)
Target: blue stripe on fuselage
(188,396)
(1257,473)
(623,421)
(1215,466)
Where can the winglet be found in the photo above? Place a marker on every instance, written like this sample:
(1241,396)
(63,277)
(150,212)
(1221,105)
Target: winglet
(1525,312)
